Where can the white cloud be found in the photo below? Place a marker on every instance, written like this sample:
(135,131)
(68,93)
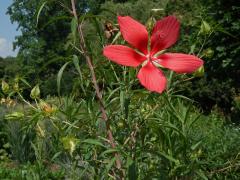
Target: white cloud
(6,48)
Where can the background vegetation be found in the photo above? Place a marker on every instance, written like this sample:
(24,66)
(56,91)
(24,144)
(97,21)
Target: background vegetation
(56,132)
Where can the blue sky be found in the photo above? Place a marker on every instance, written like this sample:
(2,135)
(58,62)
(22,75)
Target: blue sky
(7,30)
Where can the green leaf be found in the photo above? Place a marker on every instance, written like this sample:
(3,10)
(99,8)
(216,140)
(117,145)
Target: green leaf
(14,116)
(112,92)
(94,142)
(89,15)
(132,174)
(56,155)
(76,64)
(109,151)
(116,37)
(55,19)
(122,99)
(170,158)
(74,25)
(25,82)
(40,10)
(201,174)
(99,32)
(59,76)
(195,146)
(221,29)
(110,164)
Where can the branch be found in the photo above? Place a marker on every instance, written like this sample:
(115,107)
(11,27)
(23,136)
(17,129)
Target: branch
(95,84)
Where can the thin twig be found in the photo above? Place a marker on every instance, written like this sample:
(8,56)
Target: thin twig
(27,102)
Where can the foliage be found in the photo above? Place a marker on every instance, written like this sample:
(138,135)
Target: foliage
(168,140)
(43,47)
(220,85)
(13,170)
(157,136)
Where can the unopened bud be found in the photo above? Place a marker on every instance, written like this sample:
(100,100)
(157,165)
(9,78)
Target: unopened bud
(16,87)
(150,24)
(208,53)
(35,92)
(205,28)
(199,72)
(47,108)
(69,143)
(5,87)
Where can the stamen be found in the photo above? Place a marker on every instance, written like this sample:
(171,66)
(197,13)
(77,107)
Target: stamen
(156,63)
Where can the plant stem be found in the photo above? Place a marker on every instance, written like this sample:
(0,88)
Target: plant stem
(95,84)
(29,104)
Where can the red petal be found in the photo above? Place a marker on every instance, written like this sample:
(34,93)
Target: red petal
(152,78)
(181,63)
(123,55)
(165,34)
(134,33)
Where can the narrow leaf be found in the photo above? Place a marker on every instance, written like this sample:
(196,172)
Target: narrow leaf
(59,76)
(170,158)
(40,10)
(109,151)
(94,142)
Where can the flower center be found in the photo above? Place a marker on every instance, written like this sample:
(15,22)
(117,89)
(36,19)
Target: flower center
(149,57)
(153,59)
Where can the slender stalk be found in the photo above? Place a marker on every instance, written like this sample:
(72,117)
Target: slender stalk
(28,103)
(95,84)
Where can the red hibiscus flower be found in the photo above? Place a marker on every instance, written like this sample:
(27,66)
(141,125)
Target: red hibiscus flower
(165,34)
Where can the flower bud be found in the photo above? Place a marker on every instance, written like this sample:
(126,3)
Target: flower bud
(10,102)
(47,108)
(150,24)
(208,53)
(16,87)
(35,92)
(205,28)
(121,124)
(3,100)
(199,72)
(69,143)
(5,87)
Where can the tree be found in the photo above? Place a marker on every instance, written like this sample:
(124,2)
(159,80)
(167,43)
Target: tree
(42,49)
